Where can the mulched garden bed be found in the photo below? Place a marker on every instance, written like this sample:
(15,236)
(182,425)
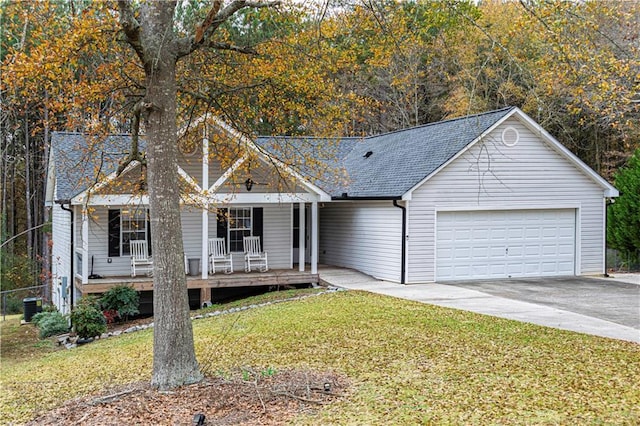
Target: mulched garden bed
(248,397)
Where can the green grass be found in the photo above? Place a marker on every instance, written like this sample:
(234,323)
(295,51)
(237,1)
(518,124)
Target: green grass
(20,342)
(408,363)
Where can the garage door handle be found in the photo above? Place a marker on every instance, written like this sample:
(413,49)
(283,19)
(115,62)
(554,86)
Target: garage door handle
(507,250)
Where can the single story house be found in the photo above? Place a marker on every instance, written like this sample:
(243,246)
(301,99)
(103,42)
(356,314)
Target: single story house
(229,191)
(490,195)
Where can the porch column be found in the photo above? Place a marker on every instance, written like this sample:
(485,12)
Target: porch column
(85,247)
(204,264)
(301,239)
(314,237)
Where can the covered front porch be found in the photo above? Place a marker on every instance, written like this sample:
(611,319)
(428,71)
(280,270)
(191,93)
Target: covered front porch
(288,233)
(272,278)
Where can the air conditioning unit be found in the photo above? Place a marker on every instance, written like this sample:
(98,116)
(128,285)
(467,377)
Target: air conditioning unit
(32,305)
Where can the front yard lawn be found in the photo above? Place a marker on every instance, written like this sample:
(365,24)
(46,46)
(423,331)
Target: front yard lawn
(407,363)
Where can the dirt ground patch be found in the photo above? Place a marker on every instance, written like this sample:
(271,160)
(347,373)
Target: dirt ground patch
(247,397)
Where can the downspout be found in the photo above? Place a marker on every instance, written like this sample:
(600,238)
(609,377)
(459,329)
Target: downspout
(404,241)
(71,274)
(607,203)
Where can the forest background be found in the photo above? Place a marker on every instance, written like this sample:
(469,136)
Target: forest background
(335,68)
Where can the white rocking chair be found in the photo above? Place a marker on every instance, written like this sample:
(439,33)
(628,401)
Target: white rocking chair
(140,257)
(254,254)
(218,256)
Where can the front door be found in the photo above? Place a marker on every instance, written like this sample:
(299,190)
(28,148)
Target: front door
(296,234)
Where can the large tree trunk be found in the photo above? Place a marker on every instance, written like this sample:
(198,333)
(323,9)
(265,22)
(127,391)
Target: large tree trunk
(174,361)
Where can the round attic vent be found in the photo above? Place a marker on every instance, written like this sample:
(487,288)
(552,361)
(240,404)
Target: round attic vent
(187,147)
(510,136)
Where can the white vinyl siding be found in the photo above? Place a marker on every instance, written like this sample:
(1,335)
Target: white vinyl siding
(99,246)
(491,175)
(276,236)
(192,165)
(60,252)
(362,235)
(191,219)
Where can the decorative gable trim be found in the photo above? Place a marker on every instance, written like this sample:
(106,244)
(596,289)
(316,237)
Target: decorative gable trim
(609,190)
(250,144)
(81,197)
(50,189)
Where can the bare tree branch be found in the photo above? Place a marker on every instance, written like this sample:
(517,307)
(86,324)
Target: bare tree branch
(226,46)
(211,16)
(134,154)
(212,22)
(131,27)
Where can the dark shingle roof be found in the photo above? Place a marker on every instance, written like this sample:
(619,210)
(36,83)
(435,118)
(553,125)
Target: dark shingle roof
(80,163)
(396,161)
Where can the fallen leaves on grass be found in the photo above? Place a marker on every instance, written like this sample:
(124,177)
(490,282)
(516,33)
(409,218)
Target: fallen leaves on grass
(408,363)
(247,397)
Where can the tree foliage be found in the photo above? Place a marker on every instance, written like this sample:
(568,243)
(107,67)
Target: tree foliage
(624,215)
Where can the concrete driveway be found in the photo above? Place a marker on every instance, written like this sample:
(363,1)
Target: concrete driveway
(603,298)
(601,307)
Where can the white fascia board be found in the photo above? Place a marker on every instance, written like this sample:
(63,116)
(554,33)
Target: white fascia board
(259,198)
(609,190)
(87,193)
(51,181)
(243,198)
(189,179)
(223,178)
(323,196)
(112,200)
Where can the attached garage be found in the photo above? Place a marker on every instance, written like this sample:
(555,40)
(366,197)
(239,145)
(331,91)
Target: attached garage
(505,244)
(484,196)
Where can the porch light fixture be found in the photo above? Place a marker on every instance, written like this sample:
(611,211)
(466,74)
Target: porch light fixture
(249,184)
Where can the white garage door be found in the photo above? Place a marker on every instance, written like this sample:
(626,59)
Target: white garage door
(501,244)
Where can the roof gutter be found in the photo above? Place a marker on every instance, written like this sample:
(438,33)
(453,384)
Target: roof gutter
(346,196)
(71,238)
(403,256)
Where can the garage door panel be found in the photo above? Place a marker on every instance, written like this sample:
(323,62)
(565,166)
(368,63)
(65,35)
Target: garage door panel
(565,250)
(510,243)
(480,270)
(498,234)
(481,234)
(462,253)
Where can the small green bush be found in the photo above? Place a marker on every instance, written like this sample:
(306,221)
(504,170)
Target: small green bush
(50,323)
(87,319)
(36,318)
(122,299)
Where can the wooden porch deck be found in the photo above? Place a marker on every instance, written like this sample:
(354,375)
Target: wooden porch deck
(218,280)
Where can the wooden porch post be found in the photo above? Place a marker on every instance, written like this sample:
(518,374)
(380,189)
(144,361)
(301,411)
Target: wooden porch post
(85,247)
(205,210)
(314,237)
(301,239)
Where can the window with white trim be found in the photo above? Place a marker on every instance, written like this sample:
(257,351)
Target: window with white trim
(239,227)
(133,226)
